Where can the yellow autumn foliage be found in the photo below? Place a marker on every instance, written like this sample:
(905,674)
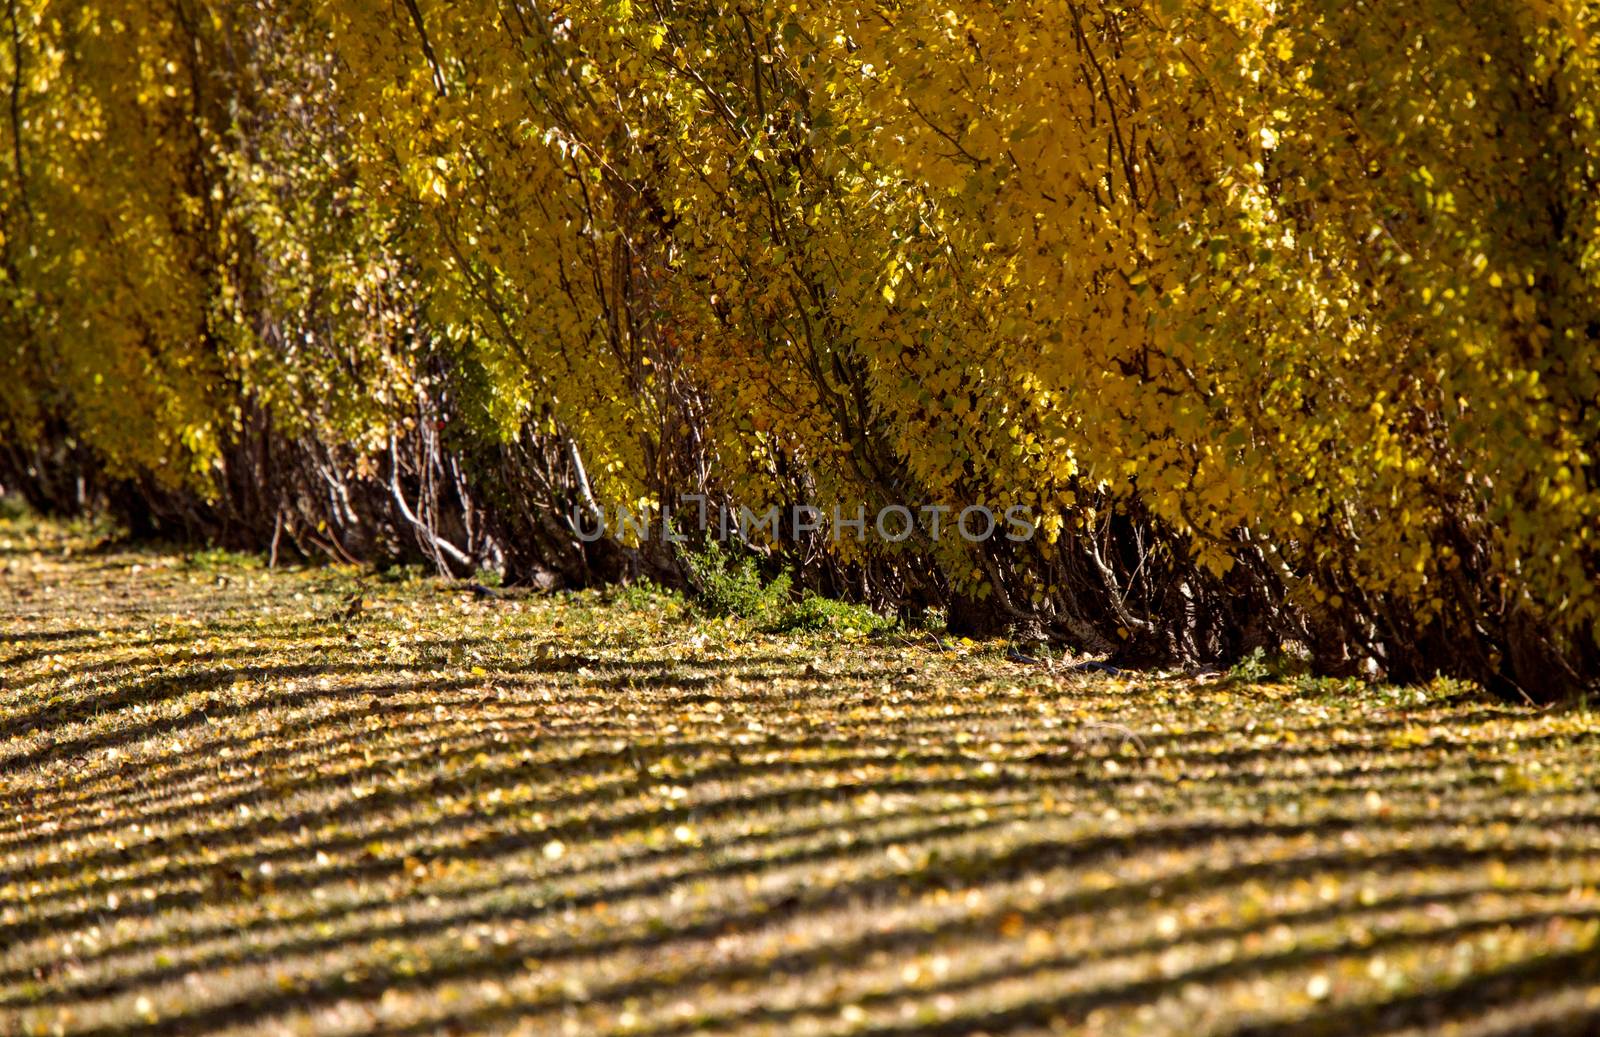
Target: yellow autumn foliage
(1280,318)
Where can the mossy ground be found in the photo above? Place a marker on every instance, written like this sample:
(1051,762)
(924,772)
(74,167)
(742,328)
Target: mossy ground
(225,805)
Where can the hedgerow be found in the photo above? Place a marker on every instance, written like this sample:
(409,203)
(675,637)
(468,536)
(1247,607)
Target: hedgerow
(1281,319)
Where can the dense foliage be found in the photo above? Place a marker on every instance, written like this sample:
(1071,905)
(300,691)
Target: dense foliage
(1281,318)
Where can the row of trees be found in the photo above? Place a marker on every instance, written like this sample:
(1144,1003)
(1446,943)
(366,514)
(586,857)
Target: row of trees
(1282,318)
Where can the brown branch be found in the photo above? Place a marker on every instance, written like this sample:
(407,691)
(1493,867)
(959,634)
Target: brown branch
(427,48)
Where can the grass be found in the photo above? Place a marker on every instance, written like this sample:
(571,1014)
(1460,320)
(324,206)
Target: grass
(224,808)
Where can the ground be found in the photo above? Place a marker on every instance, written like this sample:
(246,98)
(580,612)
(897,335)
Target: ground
(232,800)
